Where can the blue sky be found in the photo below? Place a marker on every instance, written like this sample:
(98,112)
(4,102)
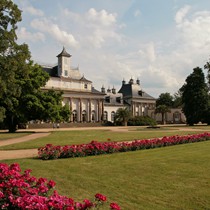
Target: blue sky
(159,42)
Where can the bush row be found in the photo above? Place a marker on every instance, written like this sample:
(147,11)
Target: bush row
(97,148)
(141,121)
(23,191)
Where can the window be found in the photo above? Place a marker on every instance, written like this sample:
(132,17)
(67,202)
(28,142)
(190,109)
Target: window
(85,86)
(105,116)
(74,113)
(83,116)
(140,92)
(107,99)
(65,73)
(93,116)
(118,99)
(177,117)
(112,116)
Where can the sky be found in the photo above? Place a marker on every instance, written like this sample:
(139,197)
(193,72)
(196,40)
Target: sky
(158,42)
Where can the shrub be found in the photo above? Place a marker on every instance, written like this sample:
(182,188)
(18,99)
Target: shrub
(141,121)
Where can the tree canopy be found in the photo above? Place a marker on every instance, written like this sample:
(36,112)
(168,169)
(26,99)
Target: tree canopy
(162,109)
(122,115)
(195,97)
(21,97)
(165,99)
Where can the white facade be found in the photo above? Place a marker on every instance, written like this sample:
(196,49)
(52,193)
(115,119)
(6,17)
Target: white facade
(85,103)
(89,105)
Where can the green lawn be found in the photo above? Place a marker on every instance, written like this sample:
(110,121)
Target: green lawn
(5,136)
(171,178)
(85,136)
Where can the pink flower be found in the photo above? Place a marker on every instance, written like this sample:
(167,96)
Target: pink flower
(100,197)
(51,184)
(114,206)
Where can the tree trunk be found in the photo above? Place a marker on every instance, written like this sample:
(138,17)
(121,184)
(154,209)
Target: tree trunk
(12,125)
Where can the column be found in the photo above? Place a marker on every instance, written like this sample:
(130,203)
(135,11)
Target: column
(71,109)
(89,114)
(80,110)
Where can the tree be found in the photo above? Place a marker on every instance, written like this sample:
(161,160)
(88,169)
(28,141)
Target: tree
(195,97)
(162,109)
(122,115)
(21,97)
(163,105)
(165,99)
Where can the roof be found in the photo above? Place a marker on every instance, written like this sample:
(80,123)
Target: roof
(93,90)
(84,79)
(134,91)
(64,53)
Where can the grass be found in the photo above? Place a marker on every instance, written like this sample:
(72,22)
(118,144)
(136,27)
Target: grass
(171,178)
(5,136)
(85,136)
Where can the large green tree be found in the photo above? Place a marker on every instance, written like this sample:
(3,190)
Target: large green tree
(165,99)
(21,97)
(195,97)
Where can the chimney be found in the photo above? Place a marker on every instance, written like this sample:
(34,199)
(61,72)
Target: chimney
(113,90)
(103,89)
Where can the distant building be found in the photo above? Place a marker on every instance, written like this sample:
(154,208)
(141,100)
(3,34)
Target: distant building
(138,101)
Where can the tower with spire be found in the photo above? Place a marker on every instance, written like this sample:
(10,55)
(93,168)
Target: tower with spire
(64,63)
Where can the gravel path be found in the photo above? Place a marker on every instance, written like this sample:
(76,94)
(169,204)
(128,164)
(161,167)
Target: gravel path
(16,154)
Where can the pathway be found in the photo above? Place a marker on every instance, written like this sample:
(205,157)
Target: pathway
(16,154)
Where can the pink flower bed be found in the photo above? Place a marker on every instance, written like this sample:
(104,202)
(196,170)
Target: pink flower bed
(23,191)
(97,148)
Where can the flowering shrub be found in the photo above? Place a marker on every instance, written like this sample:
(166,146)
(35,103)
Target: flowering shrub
(23,191)
(97,148)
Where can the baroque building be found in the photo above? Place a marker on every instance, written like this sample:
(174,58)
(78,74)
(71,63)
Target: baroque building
(89,105)
(85,102)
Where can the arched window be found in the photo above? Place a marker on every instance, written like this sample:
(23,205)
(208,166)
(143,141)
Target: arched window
(74,114)
(112,116)
(177,117)
(83,116)
(93,116)
(105,116)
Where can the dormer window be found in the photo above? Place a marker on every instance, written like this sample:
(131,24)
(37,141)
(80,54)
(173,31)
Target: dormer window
(140,92)
(118,99)
(107,99)
(85,86)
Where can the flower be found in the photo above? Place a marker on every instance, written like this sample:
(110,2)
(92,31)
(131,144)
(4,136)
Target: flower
(114,206)
(100,197)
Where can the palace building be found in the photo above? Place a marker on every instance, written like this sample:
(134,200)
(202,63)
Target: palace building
(89,105)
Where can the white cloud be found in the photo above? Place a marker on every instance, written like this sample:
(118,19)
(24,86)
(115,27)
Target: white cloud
(102,17)
(54,31)
(182,13)
(147,51)
(100,30)
(25,35)
(33,11)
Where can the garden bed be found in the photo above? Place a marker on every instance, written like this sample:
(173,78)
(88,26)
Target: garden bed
(97,148)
